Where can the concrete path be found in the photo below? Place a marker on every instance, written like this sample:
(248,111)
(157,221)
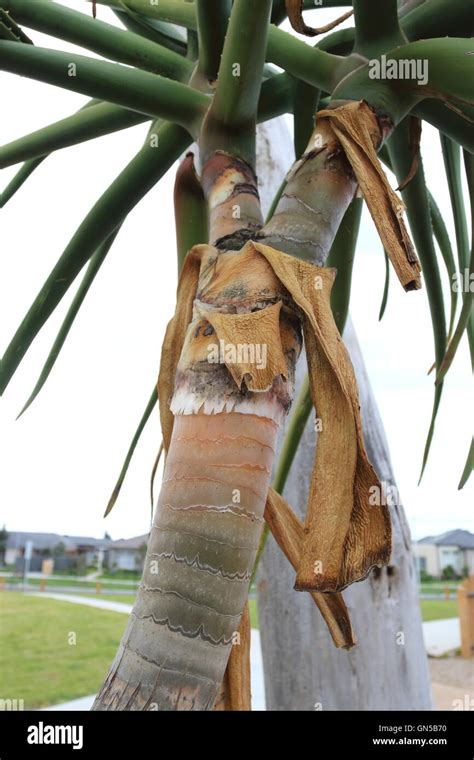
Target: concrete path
(441,636)
(101,604)
(85,703)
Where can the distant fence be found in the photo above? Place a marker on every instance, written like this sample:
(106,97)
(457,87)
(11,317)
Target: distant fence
(466,616)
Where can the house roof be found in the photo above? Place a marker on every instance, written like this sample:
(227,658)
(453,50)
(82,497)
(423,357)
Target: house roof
(461,538)
(129,543)
(17,540)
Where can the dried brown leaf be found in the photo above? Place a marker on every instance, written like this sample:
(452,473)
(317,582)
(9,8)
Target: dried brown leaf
(294,9)
(356,128)
(288,532)
(235,691)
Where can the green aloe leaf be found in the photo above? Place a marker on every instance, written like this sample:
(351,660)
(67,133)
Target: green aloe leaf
(442,238)
(341,257)
(9,29)
(466,281)
(418,211)
(19,179)
(132,184)
(93,267)
(128,458)
(468,467)
(94,120)
(452,164)
(386,287)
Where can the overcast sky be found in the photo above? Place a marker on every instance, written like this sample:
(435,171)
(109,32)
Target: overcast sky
(60,461)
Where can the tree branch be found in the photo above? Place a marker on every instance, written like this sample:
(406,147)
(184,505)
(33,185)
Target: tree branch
(212,20)
(104,39)
(139,91)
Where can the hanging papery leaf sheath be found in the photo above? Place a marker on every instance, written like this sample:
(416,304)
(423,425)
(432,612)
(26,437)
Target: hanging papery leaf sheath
(235,690)
(347,493)
(288,532)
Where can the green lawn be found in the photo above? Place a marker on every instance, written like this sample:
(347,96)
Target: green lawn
(437,609)
(40,666)
(37,662)
(15,580)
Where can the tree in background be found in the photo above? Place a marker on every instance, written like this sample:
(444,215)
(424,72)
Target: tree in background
(3,544)
(250,289)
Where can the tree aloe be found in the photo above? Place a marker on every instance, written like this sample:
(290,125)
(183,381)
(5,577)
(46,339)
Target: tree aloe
(251,292)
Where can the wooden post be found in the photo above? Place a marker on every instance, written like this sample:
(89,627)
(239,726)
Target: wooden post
(43,584)
(2,583)
(97,587)
(447,593)
(466,616)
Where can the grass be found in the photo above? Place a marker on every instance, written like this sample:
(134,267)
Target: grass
(439,587)
(60,582)
(40,664)
(438,609)
(37,661)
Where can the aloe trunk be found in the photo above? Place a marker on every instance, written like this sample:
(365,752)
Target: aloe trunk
(209,519)
(248,292)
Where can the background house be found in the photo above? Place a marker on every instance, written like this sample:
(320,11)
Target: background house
(454,549)
(127,554)
(75,553)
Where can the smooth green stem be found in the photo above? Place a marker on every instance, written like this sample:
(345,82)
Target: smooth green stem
(138,25)
(212,21)
(190,209)
(312,65)
(104,118)
(451,122)
(104,39)
(137,90)
(447,73)
(305,105)
(376,27)
(276,97)
(95,121)
(301,410)
(438,18)
(341,257)
(179,12)
(230,123)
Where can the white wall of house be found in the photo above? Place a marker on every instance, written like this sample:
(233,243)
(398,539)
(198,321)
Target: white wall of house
(432,559)
(427,558)
(11,555)
(123,559)
(451,556)
(469,560)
